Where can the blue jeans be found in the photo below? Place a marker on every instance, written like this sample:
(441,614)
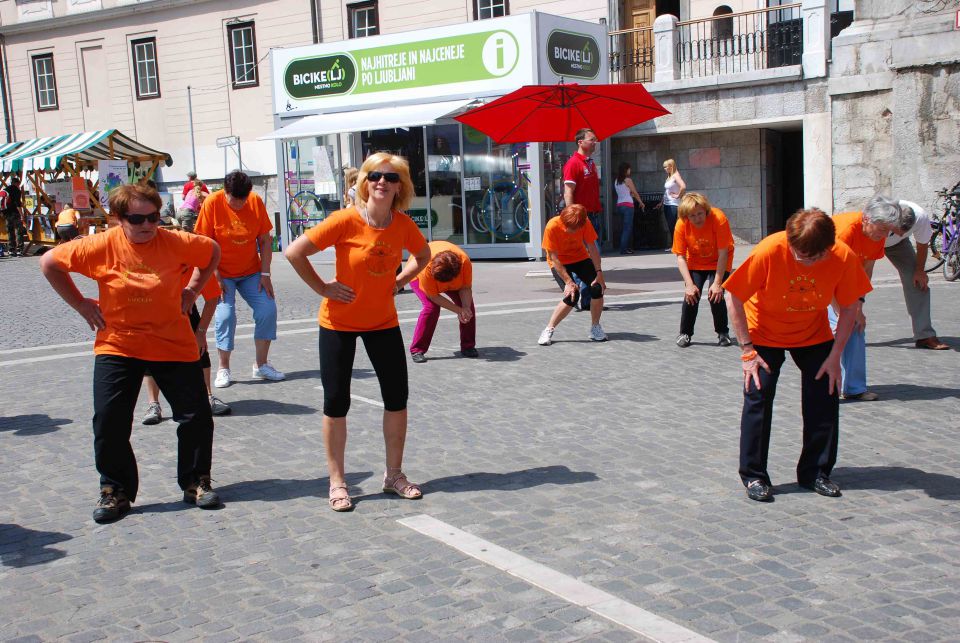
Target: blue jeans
(853,360)
(263,305)
(626,232)
(596,220)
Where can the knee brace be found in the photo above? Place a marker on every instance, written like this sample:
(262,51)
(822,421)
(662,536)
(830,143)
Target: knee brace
(596,291)
(572,299)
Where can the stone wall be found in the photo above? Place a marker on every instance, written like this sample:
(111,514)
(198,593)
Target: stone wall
(724,165)
(862,148)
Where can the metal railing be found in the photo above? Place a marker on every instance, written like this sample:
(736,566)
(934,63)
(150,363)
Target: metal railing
(631,55)
(738,42)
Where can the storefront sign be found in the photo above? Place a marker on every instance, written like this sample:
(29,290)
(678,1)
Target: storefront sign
(323,179)
(573,54)
(460,61)
(419,217)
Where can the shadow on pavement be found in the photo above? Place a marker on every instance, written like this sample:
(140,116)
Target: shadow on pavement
(510,481)
(269,407)
(913,392)
(23,547)
(907,342)
(487,353)
(639,305)
(935,485)
(631,337)
(313,374)
(32,424)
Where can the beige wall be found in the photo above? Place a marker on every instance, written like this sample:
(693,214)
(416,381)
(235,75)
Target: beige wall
(191,50)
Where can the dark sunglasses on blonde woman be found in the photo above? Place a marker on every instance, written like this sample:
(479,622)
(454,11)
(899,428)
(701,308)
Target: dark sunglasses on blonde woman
(391,177)
(137,219)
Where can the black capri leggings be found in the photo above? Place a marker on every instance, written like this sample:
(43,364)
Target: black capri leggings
(386,353)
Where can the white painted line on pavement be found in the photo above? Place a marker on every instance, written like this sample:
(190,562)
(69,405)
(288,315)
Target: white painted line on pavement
(45,358)
(647,624)
(359,398)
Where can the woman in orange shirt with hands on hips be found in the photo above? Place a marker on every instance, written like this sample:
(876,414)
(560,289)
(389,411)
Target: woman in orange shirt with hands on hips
(778,302)
(703,244)
(369,239)
(142,322)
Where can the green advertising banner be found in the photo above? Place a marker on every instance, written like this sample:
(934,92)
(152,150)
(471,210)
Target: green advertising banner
(441,61)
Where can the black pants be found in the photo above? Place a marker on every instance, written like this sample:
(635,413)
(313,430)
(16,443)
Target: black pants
(821,415)
(116,385)
(386,353)
(688,313)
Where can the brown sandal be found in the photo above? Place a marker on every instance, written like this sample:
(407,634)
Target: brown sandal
(397,483)
(340,501)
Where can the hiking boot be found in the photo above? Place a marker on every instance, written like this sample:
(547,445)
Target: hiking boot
(201,494)
(153,414)
(597,334)
(723,339)
(113,504)
(223,378)
(683,340)
(267,372)
(546,337)
(219,407)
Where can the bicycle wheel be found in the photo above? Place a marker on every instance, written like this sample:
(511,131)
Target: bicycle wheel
(520,207)
(310,207)
(476,218)
(934,252)
(951,260)
(491,208)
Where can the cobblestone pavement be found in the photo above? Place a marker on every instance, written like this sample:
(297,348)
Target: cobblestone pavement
(613,463)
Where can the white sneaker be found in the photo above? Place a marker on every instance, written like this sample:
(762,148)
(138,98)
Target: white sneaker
(223,378)
(546,337)
(597,334)
(267,372)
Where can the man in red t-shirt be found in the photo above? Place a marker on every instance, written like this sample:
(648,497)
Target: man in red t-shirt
(191,181)
(581,185)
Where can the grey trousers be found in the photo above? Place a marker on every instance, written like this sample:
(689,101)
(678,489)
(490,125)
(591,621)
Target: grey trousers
(904,257)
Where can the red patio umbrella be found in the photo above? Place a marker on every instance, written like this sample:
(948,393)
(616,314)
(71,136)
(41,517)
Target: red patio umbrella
(543,113)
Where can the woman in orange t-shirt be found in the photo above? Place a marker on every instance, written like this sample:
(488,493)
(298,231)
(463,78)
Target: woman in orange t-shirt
(777,300)
(451,273)
(703,244)
(866,233)
(141,322)
(369,240)
(570,243)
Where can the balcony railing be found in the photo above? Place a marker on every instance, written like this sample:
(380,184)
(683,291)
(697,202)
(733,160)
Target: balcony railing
(631,55)
(725,44)
(739,42)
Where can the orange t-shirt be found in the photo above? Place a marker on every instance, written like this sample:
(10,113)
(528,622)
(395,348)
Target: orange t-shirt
(569,246)
(433,287)
(68,216)
(236,231)
(140,288)
(367,261)
(785,301)
(701,246)
(211,290)
(850,230)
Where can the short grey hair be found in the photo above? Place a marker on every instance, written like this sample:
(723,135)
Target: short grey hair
(907,217)
(882,210)
(192,174)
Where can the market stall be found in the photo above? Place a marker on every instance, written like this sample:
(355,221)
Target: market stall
(78,168)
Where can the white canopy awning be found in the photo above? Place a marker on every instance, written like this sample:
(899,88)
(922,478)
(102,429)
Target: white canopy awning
(368,119)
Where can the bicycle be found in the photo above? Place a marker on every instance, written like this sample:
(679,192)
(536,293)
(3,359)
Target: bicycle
(488,215)
(305,211)
(945,241)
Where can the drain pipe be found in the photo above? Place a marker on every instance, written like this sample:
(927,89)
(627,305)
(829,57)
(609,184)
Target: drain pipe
(7,119)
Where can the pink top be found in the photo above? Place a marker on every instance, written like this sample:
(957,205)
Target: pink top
(192,201)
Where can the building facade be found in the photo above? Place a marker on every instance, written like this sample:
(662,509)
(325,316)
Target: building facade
(775,104)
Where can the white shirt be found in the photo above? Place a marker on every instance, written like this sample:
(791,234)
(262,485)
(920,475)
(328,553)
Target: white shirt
(671,192)
(921,230)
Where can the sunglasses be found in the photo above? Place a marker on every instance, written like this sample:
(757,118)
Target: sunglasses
(391,177)
(137,219)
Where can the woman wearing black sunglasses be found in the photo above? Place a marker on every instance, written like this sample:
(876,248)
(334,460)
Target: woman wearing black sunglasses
(369,239)
(141,319)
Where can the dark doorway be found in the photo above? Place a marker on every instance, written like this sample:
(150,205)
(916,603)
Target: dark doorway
(668,6)
(791,154)
(783,155)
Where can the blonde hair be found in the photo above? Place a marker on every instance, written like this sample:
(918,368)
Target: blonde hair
(350,177)
(399,165)
(689,204)
(672,164)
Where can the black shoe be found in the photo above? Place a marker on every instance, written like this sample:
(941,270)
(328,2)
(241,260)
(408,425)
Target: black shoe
(824,486)
(418,358)
(112,506)
(760,491)
(470,352)
(202,494)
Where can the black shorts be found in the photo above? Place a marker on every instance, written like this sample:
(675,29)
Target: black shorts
(68,232)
